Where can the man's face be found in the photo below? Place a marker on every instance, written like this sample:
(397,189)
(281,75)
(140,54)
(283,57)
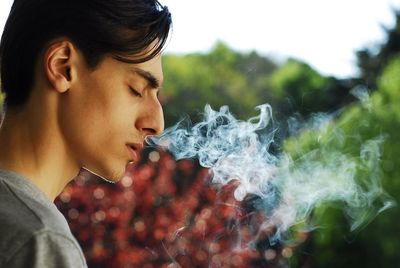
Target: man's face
(106,114)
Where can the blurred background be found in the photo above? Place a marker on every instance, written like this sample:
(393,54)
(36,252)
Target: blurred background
(302,57)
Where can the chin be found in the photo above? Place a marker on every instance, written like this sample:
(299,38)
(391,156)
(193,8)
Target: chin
(112,176)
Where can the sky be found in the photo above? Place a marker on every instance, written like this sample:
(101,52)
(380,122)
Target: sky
(323,33)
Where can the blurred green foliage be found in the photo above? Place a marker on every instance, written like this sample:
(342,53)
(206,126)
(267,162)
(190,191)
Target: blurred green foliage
(220,77)
(243,81)
(295,87)
(286,79)
(376,245)
(332,245)
(299,86)
(373,60)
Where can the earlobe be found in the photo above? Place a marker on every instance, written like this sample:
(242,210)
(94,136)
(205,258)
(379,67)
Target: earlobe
(57,65)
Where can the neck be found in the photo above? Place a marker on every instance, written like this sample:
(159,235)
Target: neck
(31,146)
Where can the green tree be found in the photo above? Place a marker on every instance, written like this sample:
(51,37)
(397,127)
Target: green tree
(220,77)
(371,61)
(245,80)
(377,244)
(297,87)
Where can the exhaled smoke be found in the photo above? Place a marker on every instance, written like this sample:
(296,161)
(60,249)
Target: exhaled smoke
(288,189)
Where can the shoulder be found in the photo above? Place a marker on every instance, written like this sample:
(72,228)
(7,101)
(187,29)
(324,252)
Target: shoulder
(17,221)
(31,225)
(26,209)
(46,248)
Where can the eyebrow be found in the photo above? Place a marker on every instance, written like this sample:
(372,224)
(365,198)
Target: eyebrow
(149,77)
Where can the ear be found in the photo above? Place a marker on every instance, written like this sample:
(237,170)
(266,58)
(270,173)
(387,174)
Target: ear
(58,65)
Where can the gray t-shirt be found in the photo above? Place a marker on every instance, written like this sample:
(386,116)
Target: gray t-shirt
(33,233)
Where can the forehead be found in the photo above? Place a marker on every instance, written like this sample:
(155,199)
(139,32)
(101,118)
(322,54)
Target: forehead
(112,68)
(153,67)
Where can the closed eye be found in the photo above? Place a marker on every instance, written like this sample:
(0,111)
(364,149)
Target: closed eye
(135,92)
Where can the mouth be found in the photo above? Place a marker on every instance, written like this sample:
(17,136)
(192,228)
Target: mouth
(134,150)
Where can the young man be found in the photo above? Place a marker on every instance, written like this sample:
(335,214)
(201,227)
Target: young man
(81,79)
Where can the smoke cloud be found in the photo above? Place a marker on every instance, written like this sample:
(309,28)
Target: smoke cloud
(288,189)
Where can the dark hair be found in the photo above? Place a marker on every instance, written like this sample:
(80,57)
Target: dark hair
(122,28)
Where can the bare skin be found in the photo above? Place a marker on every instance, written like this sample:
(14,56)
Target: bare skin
(78,117)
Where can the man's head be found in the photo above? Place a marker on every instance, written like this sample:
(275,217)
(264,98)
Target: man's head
(92,69)
(123,29)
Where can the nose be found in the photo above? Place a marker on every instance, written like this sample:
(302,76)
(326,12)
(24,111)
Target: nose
(152,120)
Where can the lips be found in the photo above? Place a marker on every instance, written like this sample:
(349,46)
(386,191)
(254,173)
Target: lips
(134,151)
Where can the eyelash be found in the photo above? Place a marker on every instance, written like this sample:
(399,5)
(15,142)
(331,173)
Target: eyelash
(135,92)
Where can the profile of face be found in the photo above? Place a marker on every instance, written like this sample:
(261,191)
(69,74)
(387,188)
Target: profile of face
(108,111)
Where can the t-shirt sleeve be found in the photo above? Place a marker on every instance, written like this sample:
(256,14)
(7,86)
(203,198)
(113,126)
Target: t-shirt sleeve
(48,249)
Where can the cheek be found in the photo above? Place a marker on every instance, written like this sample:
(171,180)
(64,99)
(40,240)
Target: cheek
(96,136)
(103,123)
(91,124)
(94,104)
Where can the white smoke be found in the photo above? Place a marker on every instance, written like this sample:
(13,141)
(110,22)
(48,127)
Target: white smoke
(288,189)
